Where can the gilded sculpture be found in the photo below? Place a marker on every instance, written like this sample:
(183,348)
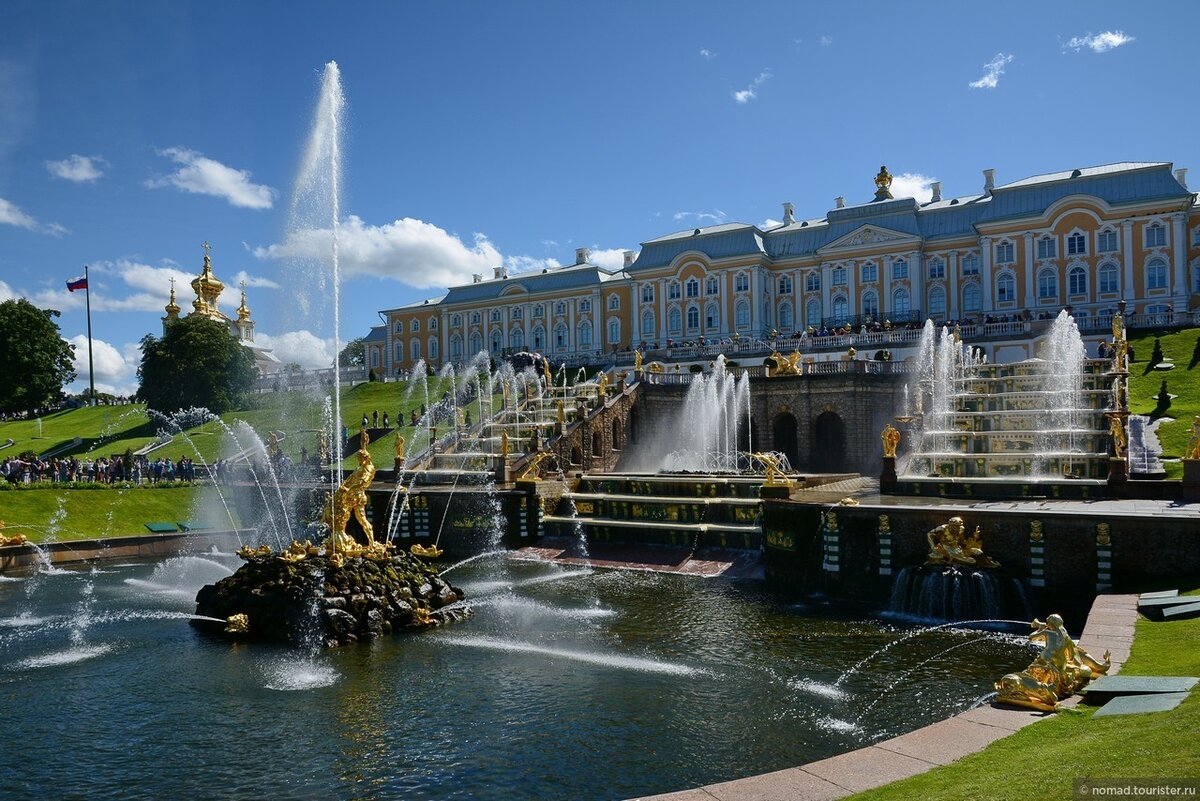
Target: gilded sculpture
(891,440)
(1192,451)
(950,544)
(273,451)
(1119,440)
(533,470)
(15,539)
(603,385)
(786,365)
(350,500)
(883,184)
(399,448)
(1059,671)
(637,361)
(773,467)
(504,444)
(546,372)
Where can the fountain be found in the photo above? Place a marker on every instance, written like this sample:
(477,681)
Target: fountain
(1059,671)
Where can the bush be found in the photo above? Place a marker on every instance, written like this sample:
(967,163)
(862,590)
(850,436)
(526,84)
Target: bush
(1163,397)
(1157,356)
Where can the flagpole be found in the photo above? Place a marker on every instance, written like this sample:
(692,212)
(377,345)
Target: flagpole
(87,294)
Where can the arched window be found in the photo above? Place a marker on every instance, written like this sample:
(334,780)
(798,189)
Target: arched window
(476,343)
(475,318)
(900,302)
(840,310)
(614,331)
(1006,287)
(741,283)
(692,288)
(693,317)
(648,323)
(496,315)
(516,339)
(1077,281)
(497,340)
(1108,241)
(399,350)
(870,304)
(1109,278)
(374,357)
(433,350)
(518,313)
(1156,235)
(972,298)
(399,327)
(647,293)
(812,312)
(937,268)
(785,315)
(585,305)
(1047,284)
(614,302)
(538,311)
(674,321)
(837,276)
(937,302)
(456,352)
(673,290)
(539,338)
(712,318)
(1005,252)
(970,264)
(900,268)
(711,285)
(560,309)
(585,335)
(456,321)
(560,336)
(1156,274)
(414,349)
(812,282)
(870,272)
(1047,247)
(742,313)
(1076,244)
(785,285)
(433,323)
(414,326)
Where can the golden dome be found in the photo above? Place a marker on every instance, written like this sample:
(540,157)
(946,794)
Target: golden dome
(206,285)
(243,311)
(172,306)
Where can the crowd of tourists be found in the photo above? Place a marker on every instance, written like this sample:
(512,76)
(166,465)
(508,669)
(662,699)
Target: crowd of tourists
(101,470)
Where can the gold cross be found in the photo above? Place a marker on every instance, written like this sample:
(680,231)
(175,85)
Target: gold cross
(207,247)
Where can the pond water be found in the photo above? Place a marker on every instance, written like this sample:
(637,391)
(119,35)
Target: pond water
(567,683)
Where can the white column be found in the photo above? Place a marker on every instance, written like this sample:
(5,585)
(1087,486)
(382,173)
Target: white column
(635,314)
(1130,291)
(663,333)
(885,287)
(826,279)
(1179,288)
(505,313)
(916,279)
(755,300)
(952,283)
(572,346)
(852,305)
(985,276)
(1030,276)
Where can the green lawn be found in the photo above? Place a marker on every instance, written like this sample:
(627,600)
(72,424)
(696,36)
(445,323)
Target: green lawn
(1040,761)
(1183,380)
(71,514)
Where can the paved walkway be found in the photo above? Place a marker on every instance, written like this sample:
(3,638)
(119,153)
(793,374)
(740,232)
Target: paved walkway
(706,562)
(1109,627)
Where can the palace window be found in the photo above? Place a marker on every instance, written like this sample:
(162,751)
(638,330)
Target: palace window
(585,335)
(399,327)
(741,282)
(785,285)
(870,272)
(1196,279)
(899,269)
(840,310)
(1047,284)
(399,350)
(693,318)
(1076,244)
(673,291)
(518,313)
(937,267)
(560,309)
(900,302)
(648,323)
(1077,281)
(516,339)
(414,326)
(812,312)
(433,350)
(712,318)
(560,336)
(1156,235)
(539,338)
(692,288)
(414,349)
(837,276)
(497,343)
(785,315)
(1108,241)
(937,302)
(711,285)
(1006,287)
(614,331)
(674,321)
(972,298)
(1156,274)
(585,306)
(970,264)
(1047,247)
(456,350)
(812,282)
(538,311)
(456,321)
(647,293)
(1109,278)
(614,302)
(1005,253)
(374,357)
(870,304)
(433,323)
(742,312)
(496,315)
(476,343)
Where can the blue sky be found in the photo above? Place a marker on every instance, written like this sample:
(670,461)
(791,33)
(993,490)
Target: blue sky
(478,133)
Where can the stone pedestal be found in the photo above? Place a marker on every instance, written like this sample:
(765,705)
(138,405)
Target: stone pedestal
(1118,472)
(887,478)
(775,491)
(399,468)
(503,470)
(1191,479)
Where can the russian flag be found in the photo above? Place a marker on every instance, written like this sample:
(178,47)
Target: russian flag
(77,283)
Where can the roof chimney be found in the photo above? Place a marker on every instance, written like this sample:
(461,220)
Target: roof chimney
(1181,176)
(937,191)
(582,255)
(628,257)
(476,278)
(989,181)
(497,272)
(789,213)
(839,202)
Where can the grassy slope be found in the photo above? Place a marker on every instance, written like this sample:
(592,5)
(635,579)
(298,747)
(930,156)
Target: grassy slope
(1183,381)
(89,513)
(1040,762)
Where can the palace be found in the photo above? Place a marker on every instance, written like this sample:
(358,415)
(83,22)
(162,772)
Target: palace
(1082,238)
(208,289)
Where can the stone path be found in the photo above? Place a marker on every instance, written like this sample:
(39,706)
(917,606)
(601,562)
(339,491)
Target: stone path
(1109,627)
(705,562)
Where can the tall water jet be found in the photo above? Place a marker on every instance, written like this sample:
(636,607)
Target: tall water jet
(714,423)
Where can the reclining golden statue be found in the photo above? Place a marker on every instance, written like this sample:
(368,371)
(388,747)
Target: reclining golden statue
(1059,671)
(949,544)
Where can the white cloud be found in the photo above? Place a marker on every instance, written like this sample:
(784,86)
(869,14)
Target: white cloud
(770,223)
(77,168)
(608,258)
(204,176)
(7,292)
(300,347)
(715,217)
(153,283)
(12,214)
(1099,43)
(708,54)
(913,184)
(254,280)
(826,40)
(116,370)
(992,72)
(751,91)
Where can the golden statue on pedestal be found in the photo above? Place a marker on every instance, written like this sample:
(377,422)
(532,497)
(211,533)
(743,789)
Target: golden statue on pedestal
(273,451)
(773,467)
(533,470)
(504,444)
(1059,671)
(949,544)
(546,372)
(602,385)
(399,448)
(1192,451)
(350,500)
(786,365)
(883,184)
(637,362)
(1120,442)
(891,440)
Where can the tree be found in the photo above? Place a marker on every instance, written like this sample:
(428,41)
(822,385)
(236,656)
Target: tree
(37,360)
(197,362)
(354,354)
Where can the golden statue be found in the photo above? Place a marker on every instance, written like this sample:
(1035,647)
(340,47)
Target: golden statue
(534,470)
(1118,327)
(883,184)
(1059,671)
(1120,355)
(949,544)
(350,499)
(786,365)
(562,412)
(546,372)
(428,552)
(775,476)
(1192,451)
(322,448)
(237,624)
(1119,440)
(655,367)
(602,385)
(247,552)
(15,539)
(891,440)
(399,449)
(273,452)
(637,361)
(504,444)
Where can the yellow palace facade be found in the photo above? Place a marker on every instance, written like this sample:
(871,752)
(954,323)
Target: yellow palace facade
(1084,238)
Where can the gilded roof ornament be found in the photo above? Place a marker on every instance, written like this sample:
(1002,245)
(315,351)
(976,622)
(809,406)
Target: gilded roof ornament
(243,311)
(883,184)
(172,306)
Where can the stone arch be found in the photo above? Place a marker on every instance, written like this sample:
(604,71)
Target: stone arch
(576,455)
(828,443)
(597,444)
(784,439)
(616,433)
